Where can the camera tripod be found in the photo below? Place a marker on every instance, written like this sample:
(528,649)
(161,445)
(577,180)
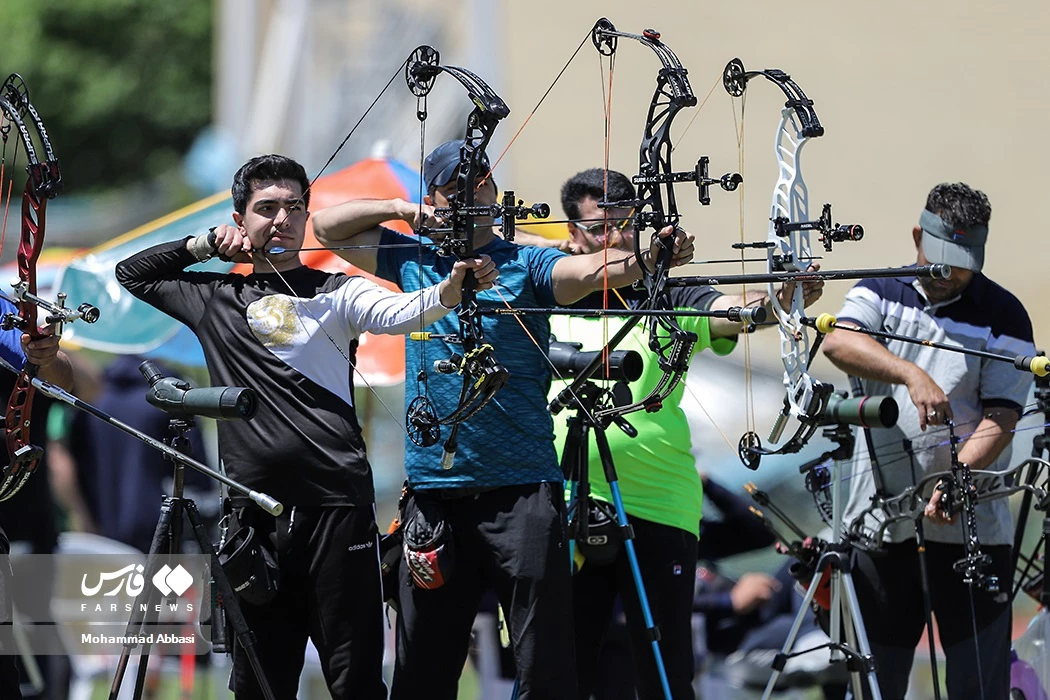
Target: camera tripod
(845,608)
(165,548)
(575,465)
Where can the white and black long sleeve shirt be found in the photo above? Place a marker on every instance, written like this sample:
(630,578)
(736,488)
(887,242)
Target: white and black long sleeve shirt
(304,446)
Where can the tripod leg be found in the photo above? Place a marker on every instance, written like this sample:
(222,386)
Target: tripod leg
(174,540)
(862,635)
(144,601)
(778,663)
(605,453)
(851,640)
(241,631)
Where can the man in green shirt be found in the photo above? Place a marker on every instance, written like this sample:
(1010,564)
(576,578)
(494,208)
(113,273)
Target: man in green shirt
(656,471)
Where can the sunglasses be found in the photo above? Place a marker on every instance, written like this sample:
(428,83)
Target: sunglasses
(600,226)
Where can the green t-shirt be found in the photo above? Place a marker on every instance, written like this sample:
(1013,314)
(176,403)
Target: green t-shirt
(656,471)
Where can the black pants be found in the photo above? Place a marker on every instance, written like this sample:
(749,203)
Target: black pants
(330,592)
(512,540)
(667,562)
(889,590)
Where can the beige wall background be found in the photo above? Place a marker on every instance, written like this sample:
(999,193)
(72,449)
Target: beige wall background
(910,94)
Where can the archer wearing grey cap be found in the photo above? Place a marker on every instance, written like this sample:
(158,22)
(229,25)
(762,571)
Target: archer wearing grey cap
(984,399)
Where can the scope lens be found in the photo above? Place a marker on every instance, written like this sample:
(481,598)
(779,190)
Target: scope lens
(245,405)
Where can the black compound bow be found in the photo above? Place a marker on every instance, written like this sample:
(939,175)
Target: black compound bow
(482,374)
(656,207)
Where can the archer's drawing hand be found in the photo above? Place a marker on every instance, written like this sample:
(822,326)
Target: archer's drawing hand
(231,242)
(420,216)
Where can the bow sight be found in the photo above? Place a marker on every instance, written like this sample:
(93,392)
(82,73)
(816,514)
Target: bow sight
(57,312)
(509,211)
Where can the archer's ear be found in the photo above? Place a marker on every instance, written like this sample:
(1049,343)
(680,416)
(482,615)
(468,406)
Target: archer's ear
(238,219)
(428,200)
(916,234)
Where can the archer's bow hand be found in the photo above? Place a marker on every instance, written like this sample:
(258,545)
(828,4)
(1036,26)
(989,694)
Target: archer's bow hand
(682,245)
(42,351)
(935,511)
(811,290)
(485,274)
(52,364)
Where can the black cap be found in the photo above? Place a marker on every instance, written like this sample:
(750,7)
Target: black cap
(440,166)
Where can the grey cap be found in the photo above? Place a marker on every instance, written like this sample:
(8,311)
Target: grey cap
(956,246)
(440,166)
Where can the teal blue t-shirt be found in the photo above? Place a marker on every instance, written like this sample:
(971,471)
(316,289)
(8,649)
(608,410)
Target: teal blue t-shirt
(511,440)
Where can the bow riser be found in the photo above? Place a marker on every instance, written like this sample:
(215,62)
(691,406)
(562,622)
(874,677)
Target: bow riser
(656,207)
(791,250)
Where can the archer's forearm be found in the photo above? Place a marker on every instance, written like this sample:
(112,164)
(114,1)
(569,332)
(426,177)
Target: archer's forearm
(577,276)
(59,372)
(992,435)
(861,356)
(158,276)
(349,219)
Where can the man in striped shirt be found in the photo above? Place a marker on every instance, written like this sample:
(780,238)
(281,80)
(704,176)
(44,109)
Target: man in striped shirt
(983,397)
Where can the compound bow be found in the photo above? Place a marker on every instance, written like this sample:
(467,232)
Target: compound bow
(656,207)
(482,374)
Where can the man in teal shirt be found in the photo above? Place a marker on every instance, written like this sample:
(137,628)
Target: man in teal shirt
(656,471)
(502,495)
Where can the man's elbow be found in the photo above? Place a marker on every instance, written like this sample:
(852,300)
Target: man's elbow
(123,274)
(834,348)
(322,228)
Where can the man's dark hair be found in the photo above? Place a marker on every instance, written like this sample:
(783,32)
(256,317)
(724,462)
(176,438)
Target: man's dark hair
(592,183)
(268,168)
(959,204)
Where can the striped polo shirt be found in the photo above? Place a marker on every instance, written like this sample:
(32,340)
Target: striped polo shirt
(984,317)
